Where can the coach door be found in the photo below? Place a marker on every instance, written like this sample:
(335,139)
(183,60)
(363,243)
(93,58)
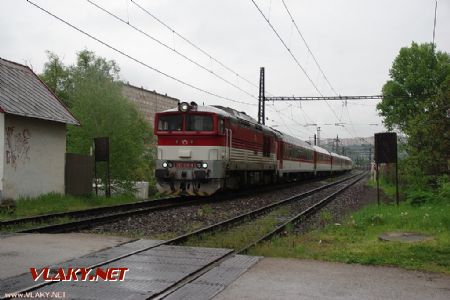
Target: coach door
(280,154)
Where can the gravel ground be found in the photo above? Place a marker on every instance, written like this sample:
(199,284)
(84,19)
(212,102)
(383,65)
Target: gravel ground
(181,220)
(339,208)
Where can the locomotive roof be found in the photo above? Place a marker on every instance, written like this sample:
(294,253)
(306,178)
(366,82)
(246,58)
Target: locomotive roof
(210,109)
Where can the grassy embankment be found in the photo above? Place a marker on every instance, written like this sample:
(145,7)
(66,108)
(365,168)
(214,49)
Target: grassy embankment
(356,239)
(52,203)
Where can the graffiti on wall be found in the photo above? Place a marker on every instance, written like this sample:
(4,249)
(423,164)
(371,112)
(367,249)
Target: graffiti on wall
(17,146)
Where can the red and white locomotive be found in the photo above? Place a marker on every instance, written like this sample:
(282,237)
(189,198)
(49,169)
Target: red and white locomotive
(204,149)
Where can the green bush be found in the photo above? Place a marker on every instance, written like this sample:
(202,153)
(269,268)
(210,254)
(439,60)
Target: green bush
(418,198)
(443,188)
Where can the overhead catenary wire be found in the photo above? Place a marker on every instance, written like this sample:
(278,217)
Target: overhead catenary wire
(294,58)
(213,58)
(309,49)
(319,67)
(288,49)
(121,52)
(170,48)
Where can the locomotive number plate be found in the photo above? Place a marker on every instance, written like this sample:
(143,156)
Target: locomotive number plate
(185,165)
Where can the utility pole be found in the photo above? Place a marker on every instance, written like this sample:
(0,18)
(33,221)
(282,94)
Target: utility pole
(318,136)
(261,98)
(315,139)
(337,143)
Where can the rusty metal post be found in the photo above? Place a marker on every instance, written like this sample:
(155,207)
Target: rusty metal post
(378,184)
(396,184)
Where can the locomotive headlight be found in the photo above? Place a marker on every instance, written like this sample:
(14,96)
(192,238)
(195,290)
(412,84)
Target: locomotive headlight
(184,106)
(204,165)
(170,164)
(198,165)
(165,164)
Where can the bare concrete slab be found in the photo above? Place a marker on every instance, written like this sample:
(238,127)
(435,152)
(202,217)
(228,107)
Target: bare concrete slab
(273,278)
(20,252)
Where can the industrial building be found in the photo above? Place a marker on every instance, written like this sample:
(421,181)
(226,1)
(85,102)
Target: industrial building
(148,102)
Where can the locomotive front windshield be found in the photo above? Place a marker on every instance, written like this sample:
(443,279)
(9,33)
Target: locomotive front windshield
(192,122)
(199,123)
(170,123)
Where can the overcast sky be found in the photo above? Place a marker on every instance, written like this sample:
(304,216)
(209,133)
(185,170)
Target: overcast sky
(355,42)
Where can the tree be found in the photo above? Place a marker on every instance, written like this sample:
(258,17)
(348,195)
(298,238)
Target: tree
(92,90)
(416,102)
(56,76)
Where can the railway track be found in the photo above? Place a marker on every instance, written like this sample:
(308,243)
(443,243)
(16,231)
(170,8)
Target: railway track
(88,218)
(339,187)
(327,193)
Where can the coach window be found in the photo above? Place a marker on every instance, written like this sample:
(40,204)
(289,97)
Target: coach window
(170,123)
(199,123)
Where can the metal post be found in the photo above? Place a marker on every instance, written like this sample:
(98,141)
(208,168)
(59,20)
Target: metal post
(108,180)
(262,98)
(318,136)
(378,185)
(396,183)
(315,139)
(95,177)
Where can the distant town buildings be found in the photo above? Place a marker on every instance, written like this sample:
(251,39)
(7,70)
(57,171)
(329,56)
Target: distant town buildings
(148,102)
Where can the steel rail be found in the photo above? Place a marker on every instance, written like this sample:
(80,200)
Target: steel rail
(305,213)
(105,214)
(240,219)
(88,211)
(263,210)
(183,238)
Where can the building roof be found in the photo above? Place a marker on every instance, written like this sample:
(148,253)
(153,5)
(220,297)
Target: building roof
(22,93)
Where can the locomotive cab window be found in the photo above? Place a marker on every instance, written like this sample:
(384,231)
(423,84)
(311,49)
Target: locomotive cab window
(170,123)
(199,123)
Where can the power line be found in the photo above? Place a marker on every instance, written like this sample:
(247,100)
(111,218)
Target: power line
(314,98)
(135,59)
(309,50)
(169,48)
(287,48)
(295,59)
(192,44)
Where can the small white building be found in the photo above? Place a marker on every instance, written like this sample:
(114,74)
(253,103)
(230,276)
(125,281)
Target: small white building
(32,134)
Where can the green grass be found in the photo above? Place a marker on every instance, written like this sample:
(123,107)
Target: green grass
(52,203)
(388,188)
(356,239)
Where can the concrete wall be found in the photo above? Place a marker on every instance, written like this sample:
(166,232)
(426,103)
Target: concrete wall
(148,102)
(34,157)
